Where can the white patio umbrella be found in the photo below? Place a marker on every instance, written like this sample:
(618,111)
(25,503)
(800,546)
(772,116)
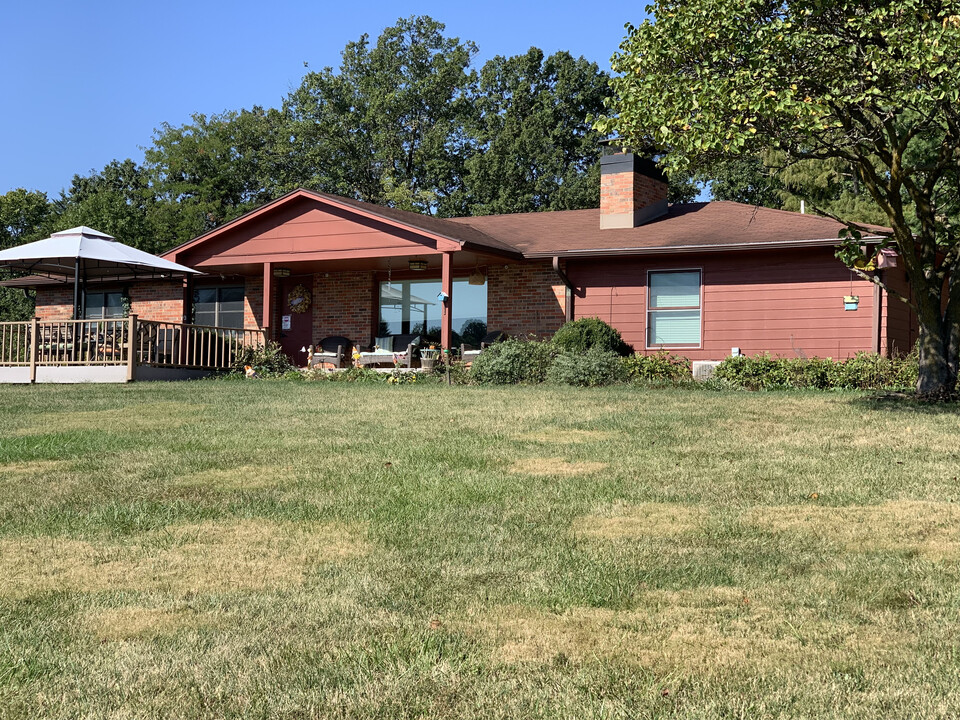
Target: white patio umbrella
(86,254)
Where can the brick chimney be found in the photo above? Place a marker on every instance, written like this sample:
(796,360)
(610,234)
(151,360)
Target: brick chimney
(632,189)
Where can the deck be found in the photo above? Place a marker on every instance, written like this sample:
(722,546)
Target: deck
(116,351)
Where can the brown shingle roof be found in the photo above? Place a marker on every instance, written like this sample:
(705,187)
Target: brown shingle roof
(714,225)
(438,226)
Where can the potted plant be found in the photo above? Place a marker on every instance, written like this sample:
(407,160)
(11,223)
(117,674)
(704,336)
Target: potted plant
(428,357)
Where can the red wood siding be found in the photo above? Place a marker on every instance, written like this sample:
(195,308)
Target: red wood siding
(304,230)
(899,329)
(787,303)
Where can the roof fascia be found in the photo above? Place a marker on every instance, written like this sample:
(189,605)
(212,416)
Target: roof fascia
(679,249)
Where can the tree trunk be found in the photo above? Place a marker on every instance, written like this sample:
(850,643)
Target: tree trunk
(938,363)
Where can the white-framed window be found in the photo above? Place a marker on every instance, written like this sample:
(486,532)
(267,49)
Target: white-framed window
(103,305)
(673,308)
(218,306)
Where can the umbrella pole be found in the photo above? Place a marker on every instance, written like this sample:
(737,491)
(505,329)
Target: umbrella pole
(76,289)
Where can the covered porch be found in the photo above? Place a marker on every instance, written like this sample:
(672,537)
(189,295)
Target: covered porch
(312,266)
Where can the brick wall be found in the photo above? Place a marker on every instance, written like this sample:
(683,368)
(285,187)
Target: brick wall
(162,301)
(343,305)
(150,300)
(525,299)
(54,303)
(253,303)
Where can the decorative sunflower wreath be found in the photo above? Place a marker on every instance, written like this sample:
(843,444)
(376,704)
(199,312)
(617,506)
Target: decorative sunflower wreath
(299,299)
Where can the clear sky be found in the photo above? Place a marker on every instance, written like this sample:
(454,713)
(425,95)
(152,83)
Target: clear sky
(85,83)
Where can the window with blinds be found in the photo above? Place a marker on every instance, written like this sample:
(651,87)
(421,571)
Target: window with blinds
(103,306)
(218,306)
(673,309)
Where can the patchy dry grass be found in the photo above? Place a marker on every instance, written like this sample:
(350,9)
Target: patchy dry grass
(245,477)
(141,623)
(555,466)
(649,520)
(235,555)
(266,550)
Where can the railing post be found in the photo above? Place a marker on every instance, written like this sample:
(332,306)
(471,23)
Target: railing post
(34,347)
(131,349)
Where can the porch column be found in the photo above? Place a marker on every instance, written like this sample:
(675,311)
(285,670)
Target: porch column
(187,300)
(267,300)
(446,309)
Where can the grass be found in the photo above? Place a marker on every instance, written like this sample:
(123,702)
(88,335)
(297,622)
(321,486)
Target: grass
(294,550)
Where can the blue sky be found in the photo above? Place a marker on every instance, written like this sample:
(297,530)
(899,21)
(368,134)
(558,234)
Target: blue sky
(86,83)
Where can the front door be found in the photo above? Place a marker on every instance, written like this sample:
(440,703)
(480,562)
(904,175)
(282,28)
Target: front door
(296,317)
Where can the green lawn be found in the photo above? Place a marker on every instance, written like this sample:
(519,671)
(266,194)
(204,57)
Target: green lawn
(290,550)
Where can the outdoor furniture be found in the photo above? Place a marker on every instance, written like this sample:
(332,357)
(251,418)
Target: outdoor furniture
(392,349)
(333,351)
(468,353)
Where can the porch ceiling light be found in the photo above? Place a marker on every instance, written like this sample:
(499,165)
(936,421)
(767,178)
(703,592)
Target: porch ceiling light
(418,265)
(476,278)
(281,272)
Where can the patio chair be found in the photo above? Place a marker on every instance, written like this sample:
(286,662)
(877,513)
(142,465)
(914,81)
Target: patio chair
(394,350)
(468,353)
(334,351)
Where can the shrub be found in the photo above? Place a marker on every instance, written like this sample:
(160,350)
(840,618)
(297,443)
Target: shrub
(659,367)
(592,368)
(268,360)
(864,371)
(578,336)
(350,374)
(514,361)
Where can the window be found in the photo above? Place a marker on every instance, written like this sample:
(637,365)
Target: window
(673,309)
(219,306)
(411,306)
(103,305)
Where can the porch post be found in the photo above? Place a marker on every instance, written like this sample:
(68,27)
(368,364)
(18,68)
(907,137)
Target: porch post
(267,300)
(446,309)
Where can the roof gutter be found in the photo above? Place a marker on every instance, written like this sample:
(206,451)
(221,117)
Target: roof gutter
(568,299)
(665,249)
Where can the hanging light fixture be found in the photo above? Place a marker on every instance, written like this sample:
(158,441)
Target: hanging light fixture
(418,264)
(281,272)
(477,278)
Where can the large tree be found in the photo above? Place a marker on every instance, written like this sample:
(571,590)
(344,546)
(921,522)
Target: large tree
(25,216)
(871,84)
(211,170)
(537,149)
(388,126)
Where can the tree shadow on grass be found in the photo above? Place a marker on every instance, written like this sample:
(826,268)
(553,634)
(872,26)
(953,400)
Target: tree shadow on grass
(904,403)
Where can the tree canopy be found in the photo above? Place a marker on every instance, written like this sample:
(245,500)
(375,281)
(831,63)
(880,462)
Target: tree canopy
(406,120)
(866,88)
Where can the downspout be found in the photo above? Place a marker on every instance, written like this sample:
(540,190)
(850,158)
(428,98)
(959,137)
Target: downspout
(568,299)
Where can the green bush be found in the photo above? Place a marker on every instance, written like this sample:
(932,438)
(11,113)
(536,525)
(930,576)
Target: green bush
(659,367)
(864,371)
(592,368)
(578,336)
(350,374)
(267,361)
(514,361)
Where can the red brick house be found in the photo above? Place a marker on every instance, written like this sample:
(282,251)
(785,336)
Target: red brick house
(699,279)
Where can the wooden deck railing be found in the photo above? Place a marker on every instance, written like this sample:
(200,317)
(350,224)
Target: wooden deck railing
(129,341)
